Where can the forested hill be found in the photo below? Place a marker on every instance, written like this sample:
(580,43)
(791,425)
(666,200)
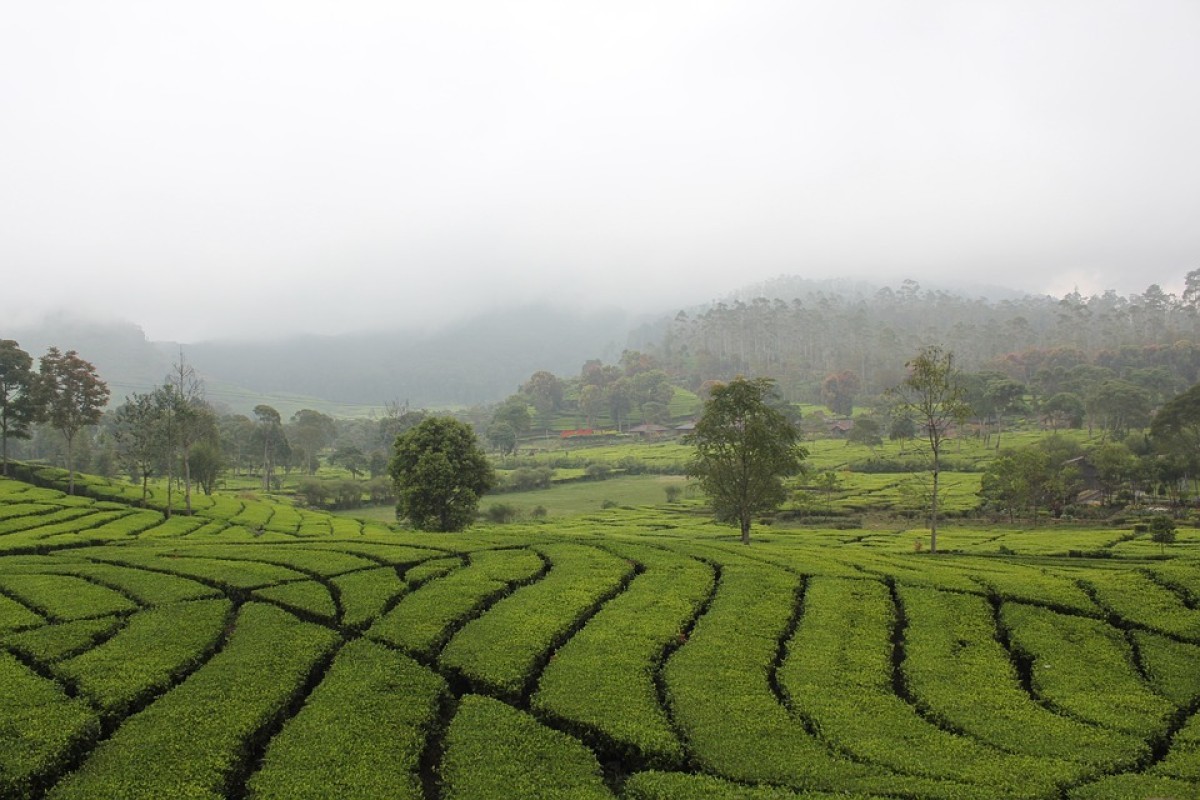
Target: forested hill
(476,361)
(800,332)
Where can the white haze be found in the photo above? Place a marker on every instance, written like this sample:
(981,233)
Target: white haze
(257,168)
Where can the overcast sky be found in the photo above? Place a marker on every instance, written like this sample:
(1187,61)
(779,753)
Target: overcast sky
(253,168)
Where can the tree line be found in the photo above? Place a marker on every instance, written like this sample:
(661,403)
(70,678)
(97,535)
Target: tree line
(55,411)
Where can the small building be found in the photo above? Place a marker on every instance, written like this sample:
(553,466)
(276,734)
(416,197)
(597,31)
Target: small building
(841,428)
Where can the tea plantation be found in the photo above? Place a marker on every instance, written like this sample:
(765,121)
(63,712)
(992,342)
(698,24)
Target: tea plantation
(257,650)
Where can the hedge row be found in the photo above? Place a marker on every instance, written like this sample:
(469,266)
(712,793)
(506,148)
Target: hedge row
(683,786)
(153,649)
(320,562)
(961,674)
(15,616)
(65,597)
(42,728)
(307,599)
(719,688)
(230,575)
(360,734)
(422,620)
(365,594)
(1173,668)
(1135,597)
(1038,586)
(603,679)
(49,643)
(495,752)
(1084,668)
(838,673)
(151,588)
(193,740)
(433,568)
(501,649)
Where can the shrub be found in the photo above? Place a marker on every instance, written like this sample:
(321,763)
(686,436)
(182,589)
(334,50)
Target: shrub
(500,513)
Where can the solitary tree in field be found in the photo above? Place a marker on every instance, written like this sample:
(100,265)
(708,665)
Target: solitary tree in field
(933,395)
(745,447)
(17,407)
(440,473)
(1162,530)
(71,397)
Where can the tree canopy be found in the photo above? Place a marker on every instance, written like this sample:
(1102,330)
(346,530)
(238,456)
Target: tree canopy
(17,408)
(440,474)
(745,447)
(71,396)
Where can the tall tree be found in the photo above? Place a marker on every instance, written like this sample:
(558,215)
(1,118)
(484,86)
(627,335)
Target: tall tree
(440,473)
(1176,428)
(745,447)
(932,395)
(191,417)
(71,397)
(137,430)
(268,431)
(17,407)
(312,431)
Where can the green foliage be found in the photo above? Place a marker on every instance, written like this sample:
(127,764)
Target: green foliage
(601,683)
(365,594)
(190,742)
(154,648)
(1084,668)
(500,650)
(500,513)
(966,680)
(305,599)
(50,643)
(745,447)
(440,475)
(495,752)
(65,597)
(1162,530)
(362,731)
(18,408)
(838,673)
(422,620)
(42,728)
(69,396)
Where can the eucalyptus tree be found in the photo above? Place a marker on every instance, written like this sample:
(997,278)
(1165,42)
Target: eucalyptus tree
(70,397)
(934,396)
(17,407)
(268,432)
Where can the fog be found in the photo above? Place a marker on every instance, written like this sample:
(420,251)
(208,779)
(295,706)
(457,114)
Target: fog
(227,169)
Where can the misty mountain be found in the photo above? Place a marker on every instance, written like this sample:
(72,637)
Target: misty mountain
(481,360)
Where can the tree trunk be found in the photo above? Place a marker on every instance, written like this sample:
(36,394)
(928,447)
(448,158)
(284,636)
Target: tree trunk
(187,482)
(70,465)
(933,509)
(745,530)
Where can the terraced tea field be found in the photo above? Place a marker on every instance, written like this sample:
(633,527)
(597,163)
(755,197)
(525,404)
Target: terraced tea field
(258,651)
